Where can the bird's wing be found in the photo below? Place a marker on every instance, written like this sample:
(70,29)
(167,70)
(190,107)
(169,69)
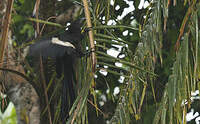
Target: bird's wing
(51,48)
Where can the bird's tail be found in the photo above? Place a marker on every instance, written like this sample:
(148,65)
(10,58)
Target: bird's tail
(68,93)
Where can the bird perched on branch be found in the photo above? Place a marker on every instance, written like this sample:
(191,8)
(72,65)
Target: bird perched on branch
(64,49)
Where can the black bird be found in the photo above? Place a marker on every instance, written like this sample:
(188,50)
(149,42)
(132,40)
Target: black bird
(65,49)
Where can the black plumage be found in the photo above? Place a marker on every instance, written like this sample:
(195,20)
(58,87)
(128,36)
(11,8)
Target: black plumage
(47,48)
(64,49)
(64,43)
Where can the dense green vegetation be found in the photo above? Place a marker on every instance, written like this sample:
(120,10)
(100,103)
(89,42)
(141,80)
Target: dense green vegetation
(157,46)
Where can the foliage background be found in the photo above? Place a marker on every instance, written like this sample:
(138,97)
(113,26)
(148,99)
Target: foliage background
(159,57)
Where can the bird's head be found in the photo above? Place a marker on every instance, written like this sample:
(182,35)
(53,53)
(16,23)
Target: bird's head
(76,25)
(73,33)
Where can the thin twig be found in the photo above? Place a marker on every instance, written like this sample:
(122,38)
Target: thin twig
(185,20)
(45,24)
(75,113)
(45,90)
(16,72)
(36,11)
(96,107)
(6,25)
